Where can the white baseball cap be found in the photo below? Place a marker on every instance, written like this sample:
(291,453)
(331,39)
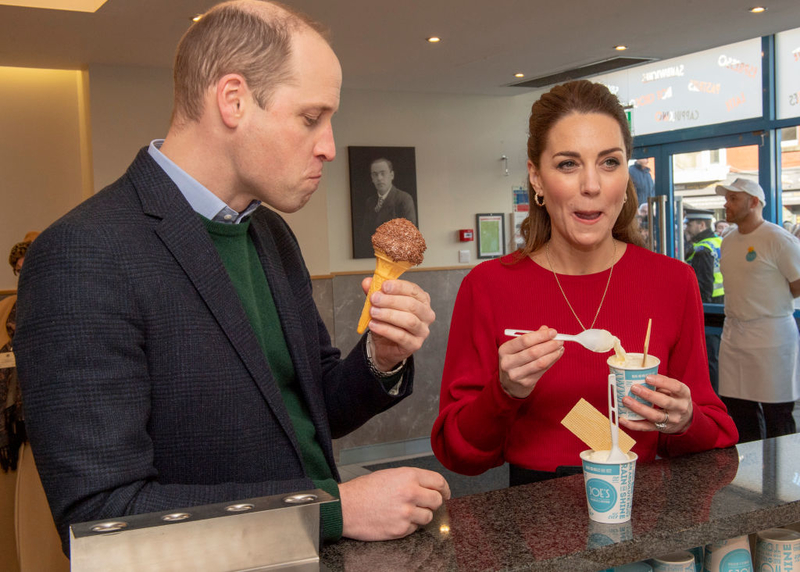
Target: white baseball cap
(743,186)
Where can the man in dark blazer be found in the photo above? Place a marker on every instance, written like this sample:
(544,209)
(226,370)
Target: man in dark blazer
(155,375)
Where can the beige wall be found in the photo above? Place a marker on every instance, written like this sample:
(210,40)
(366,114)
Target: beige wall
(458,139)
(41,153)
(130,107)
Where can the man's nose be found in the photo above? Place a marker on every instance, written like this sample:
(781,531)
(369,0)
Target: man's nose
(326,146)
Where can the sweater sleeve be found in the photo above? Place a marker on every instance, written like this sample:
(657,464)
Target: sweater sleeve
(475,414)
(711,426)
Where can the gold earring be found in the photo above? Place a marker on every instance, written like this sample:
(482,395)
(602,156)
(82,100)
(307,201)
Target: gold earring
(539,199)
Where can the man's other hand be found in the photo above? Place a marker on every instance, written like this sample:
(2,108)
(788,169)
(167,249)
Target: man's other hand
(390,504)
(400,318)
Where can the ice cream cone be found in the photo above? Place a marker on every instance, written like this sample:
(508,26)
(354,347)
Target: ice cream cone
(385,269)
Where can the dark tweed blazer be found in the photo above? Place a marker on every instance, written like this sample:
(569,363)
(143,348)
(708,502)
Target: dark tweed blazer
(144,385)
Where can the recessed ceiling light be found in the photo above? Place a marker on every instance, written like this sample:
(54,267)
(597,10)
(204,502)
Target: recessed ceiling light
(758,9)
(197,18)
(519,75)
(71,5)
(620,48)
(434,39)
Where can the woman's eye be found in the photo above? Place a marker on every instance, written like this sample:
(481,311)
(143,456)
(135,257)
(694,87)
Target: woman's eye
(612,162)
(566,164)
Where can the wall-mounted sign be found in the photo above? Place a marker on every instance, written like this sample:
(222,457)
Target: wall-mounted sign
(713,86)
(787,76)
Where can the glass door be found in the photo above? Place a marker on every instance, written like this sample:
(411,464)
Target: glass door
(695,176)
(686,175)
(642,173)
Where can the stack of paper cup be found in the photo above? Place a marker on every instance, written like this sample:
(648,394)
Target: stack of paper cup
(634,567)
(732,555)
(778,550)
(629,374)
(681,561)
(601,534)
(699,553)
(609,486)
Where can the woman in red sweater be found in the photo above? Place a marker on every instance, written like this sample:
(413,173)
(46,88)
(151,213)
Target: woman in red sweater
(503,399)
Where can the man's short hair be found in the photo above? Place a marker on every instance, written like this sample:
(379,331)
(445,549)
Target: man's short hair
(252,38)
(387,161)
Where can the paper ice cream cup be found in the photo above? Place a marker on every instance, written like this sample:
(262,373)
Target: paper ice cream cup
(602,534)
(681,561)
(778,550)
(699,553)
(609,486)
(629,374)
(732,555)
(633,567)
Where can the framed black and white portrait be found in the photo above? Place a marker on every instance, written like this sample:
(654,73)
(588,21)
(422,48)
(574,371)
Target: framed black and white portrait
(383,186)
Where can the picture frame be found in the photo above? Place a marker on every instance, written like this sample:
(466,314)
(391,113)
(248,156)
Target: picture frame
(375,170)
(515,229)
(490,234)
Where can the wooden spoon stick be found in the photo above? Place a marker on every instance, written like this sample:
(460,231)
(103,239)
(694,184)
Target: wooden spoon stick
(646,341)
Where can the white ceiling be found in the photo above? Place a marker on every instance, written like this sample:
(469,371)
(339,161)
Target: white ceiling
(381,43)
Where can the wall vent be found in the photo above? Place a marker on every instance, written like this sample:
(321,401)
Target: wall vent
(595,68)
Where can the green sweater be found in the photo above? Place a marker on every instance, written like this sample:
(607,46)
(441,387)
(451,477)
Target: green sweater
(241,261)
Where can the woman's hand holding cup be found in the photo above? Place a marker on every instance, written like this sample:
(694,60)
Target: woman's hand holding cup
(674,401)
(524,359)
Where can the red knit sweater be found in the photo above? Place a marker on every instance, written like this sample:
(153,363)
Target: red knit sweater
(480,426)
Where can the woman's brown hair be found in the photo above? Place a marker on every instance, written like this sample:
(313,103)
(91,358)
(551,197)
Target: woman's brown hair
(583,97)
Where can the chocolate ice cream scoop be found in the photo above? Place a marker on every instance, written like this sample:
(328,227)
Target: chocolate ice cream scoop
(398,246)
(400,240)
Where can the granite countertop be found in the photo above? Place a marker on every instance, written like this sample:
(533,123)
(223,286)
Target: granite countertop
(678,504)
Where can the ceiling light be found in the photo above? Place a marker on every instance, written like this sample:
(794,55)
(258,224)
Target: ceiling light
(758,9)
(434,39)
(620,48)
(519,75)
(71,5)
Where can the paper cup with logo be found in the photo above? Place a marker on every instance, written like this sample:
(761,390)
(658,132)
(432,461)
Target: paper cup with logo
(699,553)
(681,561)
(778,550)
(732,555)
(633,567)
(629,374)
(609,486)
(603,534)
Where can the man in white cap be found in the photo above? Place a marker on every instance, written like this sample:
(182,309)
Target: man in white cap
(759,377)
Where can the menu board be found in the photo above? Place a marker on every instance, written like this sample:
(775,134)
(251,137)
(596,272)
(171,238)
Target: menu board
(714,86)
(787,76)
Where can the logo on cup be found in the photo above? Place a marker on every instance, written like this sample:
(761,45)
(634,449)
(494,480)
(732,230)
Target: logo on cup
(601,495)
(736,560)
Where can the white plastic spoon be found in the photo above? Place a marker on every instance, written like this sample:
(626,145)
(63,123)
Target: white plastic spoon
(615,455)
(600,341)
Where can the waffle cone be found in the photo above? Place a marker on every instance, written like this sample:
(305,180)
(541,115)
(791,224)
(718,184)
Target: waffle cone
(385,269)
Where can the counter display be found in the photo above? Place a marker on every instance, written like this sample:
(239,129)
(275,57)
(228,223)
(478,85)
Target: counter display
(678,504)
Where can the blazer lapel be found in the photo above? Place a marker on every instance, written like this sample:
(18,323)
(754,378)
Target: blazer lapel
(186,238)
(292,326)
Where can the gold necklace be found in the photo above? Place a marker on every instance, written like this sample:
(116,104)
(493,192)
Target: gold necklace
(603,299)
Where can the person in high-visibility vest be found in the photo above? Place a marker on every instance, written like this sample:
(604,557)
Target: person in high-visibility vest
(704,258)
(704,255)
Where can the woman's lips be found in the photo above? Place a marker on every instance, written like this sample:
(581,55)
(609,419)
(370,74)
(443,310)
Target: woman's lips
(588,216)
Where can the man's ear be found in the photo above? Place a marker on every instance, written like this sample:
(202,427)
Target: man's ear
(232,95)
